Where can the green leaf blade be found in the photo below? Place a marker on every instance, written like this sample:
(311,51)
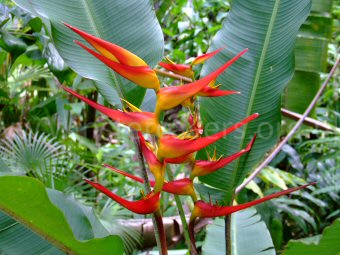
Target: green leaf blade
(25,199)
(249,235)
(327,244)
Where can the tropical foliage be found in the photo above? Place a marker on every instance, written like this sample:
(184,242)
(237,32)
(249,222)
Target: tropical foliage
(198,70)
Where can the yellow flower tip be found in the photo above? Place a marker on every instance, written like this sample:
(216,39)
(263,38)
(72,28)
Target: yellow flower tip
(130,106)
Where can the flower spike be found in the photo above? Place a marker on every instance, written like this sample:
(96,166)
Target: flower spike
(172,147)
(146,205)
(177,187)
(141,121)
(170,97)
(120,60)
(204,167)
(207,210)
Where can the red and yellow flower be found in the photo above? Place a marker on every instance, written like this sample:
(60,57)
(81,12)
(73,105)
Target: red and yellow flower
(172,147)
(148,204)
(138,120)
(120,60)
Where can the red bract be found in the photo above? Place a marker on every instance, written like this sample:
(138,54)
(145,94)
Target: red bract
(206,56)
(141,121)
(170,97)
(120,60)
(184,70)
(172,147)
(213,91)
(207,210)
(156,167)
(146,205)
(177,187)
(204,167)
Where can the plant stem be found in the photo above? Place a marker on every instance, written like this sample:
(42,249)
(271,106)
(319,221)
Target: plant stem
(172,75)
(292,132)
(227,229)
(157,219)
(309,121)
(181,212)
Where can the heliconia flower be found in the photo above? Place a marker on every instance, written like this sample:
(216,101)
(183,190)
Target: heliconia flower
(213,91)
(207,210)
(146,205)
(204,167)
(181,69)
(170,97)
(120,60)
(157,168)
(177,187)
(141,121)
(172,147)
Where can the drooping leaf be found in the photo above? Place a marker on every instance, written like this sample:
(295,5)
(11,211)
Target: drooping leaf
(268,29)
(130,24)
(25,199)
(327,244)
(249,235)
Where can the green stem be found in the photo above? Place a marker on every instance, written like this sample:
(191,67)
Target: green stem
(227,228)
(181,213)
(157,219)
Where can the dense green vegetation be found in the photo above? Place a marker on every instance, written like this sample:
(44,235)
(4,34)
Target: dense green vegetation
(50,140)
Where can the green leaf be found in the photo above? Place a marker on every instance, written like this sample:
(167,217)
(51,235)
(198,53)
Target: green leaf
(301,91)
(12,44)
(249,235)
(322,5)
(311,53)
(269,31)
(77,220)
(327,244)
(130,24)
(15,238)
(25,199)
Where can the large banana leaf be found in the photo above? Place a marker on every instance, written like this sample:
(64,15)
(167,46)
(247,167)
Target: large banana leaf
(325,244)
(131,24)
(268,29)
(26,200)
(249,235)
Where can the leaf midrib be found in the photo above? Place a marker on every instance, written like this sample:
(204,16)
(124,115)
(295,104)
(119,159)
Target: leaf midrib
(256,82)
